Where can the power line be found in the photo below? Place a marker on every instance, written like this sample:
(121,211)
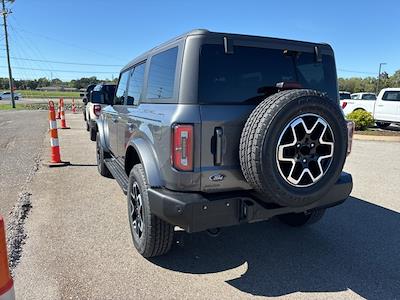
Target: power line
(62,62)
(63,42)
(65,71)
(353,71)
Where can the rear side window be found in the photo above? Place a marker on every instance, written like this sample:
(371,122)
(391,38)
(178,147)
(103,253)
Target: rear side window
(368,97)
(120,93)
(251,73)
(391,96)
(344,96)
(135,84)
(161,77)
(354,96)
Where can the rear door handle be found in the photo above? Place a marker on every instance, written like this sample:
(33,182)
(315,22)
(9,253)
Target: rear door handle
(218,146)
(380,105)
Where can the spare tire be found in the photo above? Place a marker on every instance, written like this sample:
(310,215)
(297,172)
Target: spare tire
(293,147)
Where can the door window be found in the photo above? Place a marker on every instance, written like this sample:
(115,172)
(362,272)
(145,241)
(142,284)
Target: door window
(162,75)
(135,85)
(391,96)
(119,95)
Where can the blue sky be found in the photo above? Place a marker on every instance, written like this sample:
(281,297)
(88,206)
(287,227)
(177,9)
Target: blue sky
(362,33)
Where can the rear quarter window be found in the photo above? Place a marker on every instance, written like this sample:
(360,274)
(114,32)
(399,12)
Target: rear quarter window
(368,97)
(161,78)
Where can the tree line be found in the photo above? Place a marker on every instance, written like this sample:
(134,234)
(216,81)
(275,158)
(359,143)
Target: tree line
(352,85)
(369,84)
(32,84)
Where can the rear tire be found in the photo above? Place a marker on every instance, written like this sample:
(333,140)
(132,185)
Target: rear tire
(302,219)
(383,125)
(151,236)
(100,156)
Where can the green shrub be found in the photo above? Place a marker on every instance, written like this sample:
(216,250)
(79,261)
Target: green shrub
(361,118)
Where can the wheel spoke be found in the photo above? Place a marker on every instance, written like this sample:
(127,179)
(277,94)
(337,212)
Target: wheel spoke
(305,150)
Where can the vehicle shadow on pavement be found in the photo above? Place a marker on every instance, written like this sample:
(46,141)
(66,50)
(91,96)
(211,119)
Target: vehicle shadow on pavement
(356,246)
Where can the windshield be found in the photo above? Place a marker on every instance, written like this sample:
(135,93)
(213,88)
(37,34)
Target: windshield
(250,74)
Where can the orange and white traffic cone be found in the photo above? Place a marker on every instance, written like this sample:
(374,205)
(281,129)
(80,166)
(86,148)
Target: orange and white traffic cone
(55,146)
(6,282)
(63,121)
(58,117)
(73,106)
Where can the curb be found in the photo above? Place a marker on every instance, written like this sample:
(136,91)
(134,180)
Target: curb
(381,138)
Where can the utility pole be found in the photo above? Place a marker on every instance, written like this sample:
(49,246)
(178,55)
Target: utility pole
(5,12)
(379,78)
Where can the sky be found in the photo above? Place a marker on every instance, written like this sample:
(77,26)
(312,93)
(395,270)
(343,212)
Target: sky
(98,37)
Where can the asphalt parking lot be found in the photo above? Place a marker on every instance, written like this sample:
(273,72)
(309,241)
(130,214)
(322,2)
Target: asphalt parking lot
(79,244)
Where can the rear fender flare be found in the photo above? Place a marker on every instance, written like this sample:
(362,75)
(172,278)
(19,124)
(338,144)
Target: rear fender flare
(148,160)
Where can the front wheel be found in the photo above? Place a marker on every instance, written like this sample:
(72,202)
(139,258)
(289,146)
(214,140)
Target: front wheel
(151,235)
(302,219)
(93,133)
(382,125)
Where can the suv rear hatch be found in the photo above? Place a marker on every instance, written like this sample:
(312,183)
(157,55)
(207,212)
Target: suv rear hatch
(232,83)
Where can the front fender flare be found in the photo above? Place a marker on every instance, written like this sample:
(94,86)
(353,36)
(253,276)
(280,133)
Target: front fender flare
(148,159)
(102,134)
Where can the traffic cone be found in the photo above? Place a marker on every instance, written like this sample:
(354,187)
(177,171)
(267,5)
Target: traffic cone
(6,282)
(73,106)
(55,146)
(63,121)
(58,117)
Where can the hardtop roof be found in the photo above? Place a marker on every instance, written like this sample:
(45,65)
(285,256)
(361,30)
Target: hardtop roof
(144,55)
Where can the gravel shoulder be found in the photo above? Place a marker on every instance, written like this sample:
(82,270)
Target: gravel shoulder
(79,244)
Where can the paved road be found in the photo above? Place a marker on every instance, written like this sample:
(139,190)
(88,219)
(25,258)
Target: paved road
(79,244)
(21,139)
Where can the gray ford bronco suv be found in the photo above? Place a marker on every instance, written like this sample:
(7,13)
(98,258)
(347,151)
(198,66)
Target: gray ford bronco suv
(213,129)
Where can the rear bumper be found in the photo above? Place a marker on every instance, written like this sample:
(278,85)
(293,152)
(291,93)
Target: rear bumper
(196,212)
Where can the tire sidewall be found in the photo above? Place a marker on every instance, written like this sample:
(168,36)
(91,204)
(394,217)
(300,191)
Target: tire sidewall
(139,243)
(286,193)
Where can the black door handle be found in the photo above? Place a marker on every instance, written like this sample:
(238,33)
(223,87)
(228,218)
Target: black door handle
(218,146)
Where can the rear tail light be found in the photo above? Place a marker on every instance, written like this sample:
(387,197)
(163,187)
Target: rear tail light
(97,110)
(350,132)
(344,104)
(182,147)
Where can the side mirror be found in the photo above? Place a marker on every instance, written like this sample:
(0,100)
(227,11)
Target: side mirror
(97,97)
(85,100)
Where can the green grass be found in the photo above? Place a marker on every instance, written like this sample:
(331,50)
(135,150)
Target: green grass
(44,94)
(9,107)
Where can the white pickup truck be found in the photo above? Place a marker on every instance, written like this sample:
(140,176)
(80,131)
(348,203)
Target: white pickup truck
(385,108)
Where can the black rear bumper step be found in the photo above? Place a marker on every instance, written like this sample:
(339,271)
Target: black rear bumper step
(118,172)
(196,212)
